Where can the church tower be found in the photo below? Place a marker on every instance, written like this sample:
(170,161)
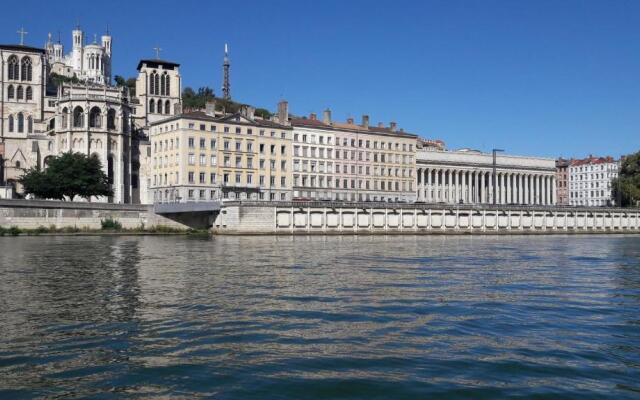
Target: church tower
(76,53)
(58,50)
(226,85)
(106,45)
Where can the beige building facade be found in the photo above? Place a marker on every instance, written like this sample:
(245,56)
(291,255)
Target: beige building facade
(201,157)
(353,162)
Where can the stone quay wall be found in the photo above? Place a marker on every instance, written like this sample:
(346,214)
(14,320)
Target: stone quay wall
(385,218)
(31,214)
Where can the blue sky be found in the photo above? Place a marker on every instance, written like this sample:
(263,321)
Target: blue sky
(546,78)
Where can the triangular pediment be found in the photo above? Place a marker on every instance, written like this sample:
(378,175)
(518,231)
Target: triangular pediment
(18,156)
(237,118)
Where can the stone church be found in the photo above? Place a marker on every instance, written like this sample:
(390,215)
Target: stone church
(81,111)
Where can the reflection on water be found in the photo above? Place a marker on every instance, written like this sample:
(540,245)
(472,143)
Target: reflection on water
(320,317)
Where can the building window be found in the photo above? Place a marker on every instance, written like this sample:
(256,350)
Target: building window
(95,119)
(10,92)
(26,69)
(111,119)
(20,93)
(20,123)
(13,68)
(152,107)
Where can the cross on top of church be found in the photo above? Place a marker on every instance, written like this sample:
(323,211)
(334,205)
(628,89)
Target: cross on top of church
(22,32)
(157,50)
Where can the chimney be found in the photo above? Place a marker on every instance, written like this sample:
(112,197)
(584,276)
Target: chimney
(247,111)
(313,116)
(326,117)
(210,108)
(393,126)
(283,112)
(365,121)
(350,121)
(380,125)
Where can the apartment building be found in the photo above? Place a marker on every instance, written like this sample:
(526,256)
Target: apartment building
(199,156)
(562,181)
(590,181)
(351,162)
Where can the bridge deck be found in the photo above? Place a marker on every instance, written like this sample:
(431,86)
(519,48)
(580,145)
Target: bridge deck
(189,207)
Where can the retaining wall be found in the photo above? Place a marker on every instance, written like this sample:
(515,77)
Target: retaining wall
(30,214)
(381,218)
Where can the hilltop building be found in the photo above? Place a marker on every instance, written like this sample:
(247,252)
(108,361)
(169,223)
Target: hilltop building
(86,62)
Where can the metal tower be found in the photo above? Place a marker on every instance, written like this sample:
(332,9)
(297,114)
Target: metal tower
(226,86)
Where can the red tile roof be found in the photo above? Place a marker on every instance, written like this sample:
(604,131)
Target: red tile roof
(592,160)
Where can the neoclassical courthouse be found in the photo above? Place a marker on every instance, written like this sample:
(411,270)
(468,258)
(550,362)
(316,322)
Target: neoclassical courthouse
(152,151)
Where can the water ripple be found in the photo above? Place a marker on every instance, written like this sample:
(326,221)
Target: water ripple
(320,317)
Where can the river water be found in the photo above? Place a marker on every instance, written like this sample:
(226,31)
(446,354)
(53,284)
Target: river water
(346,317)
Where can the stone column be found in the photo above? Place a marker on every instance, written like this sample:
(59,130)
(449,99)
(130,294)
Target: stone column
(463,186)
(521,189)
(428,197)
(450,188)
(482,189)
(526,189)
(554,199)
(436,185)
(538,186)
(474,193)
(509,188)
(419,183)
(501,197)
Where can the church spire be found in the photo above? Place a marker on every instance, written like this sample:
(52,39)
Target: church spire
(226,85)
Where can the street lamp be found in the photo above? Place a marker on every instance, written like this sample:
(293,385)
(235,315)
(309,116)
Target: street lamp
(495,151)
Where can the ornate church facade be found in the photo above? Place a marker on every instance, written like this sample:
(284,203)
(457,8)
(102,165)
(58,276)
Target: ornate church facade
(80,111)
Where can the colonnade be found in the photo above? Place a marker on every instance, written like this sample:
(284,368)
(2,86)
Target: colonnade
(448,185)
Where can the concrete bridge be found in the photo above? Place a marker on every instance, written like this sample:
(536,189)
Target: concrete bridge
(200,215)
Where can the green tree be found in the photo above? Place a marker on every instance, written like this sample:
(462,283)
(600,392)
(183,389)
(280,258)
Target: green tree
(68,175)
(37,182)
(626,188)
(263,113)
(119,80)
(193,100)
(131,84)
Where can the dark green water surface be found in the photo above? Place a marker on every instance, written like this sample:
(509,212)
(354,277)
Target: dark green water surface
(555,317)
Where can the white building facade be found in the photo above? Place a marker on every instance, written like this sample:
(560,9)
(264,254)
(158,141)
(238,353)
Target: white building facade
(466,177)
(590,181)
(87,62)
